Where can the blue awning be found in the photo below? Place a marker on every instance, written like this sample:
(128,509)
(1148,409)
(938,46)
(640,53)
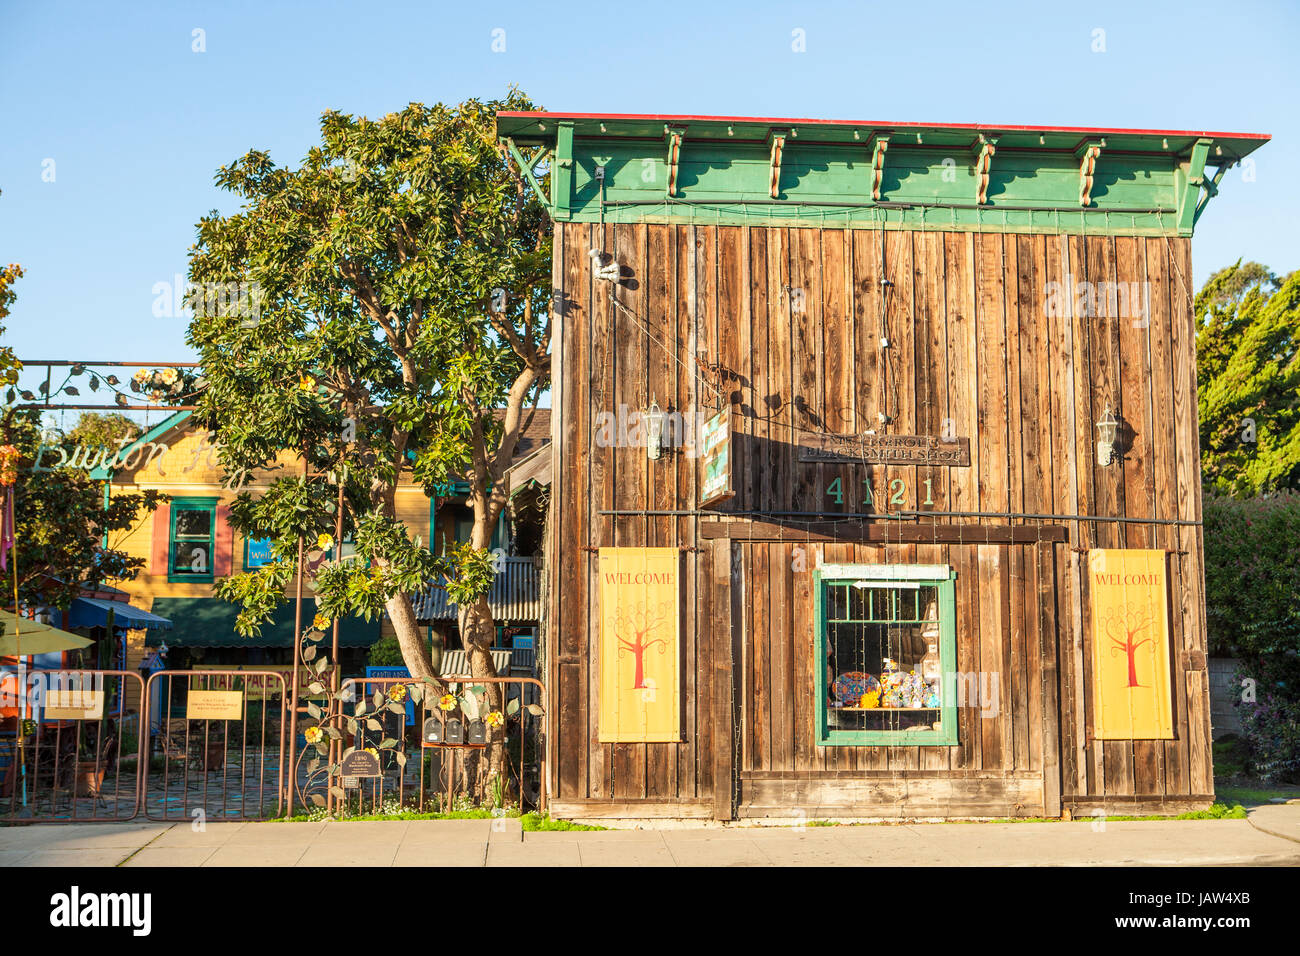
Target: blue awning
(93,612)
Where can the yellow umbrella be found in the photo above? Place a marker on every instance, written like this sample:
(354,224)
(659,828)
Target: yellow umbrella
(35,637)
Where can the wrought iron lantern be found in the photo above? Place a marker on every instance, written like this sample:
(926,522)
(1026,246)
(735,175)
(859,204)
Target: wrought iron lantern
(1107,430)
(654,431)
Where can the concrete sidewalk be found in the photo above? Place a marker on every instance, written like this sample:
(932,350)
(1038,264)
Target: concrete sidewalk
(1270,838)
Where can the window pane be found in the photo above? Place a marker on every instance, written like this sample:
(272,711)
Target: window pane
(883,665)
(836,604)
(191,557)
(928,602)
(193,523)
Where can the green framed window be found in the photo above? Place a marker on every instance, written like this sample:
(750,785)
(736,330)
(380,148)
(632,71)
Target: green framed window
(192,546)
(885,655)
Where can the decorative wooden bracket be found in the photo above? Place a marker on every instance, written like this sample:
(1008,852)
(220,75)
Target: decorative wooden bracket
(1191,203)
(983,162)
(528,164)
(878,165)
(1087,155)
(777,138)
(673,136)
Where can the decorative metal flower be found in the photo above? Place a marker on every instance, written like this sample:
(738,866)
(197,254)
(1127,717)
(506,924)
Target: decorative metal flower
(314,735)
(397,693)
(495,719)
(447,702)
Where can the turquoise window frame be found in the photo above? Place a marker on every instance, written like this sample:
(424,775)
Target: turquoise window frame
(939,576)
(192,504)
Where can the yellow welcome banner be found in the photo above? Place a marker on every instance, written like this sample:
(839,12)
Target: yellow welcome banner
(639,651)
(1130,645)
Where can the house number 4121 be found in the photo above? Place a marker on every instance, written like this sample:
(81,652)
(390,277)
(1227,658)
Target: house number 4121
(897,491)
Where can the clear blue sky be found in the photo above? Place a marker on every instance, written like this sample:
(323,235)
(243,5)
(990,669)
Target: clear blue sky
(136,122)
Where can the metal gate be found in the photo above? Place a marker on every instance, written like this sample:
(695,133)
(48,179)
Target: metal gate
(413,775)
(71,748)
(216,745)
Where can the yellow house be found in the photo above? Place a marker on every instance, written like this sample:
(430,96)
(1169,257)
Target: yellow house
(188,543)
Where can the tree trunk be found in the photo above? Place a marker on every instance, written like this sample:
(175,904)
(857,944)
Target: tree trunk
(409,641)
(477,631)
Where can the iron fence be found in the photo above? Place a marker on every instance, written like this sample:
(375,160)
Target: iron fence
(70,747)
(216,745)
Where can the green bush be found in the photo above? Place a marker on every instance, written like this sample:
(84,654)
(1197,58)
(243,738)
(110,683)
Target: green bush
(385,653)
(1252,591)
(1252,574)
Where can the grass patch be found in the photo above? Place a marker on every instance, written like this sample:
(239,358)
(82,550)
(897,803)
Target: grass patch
(1252,796)
(536,823)
(1231,756)
(408,815)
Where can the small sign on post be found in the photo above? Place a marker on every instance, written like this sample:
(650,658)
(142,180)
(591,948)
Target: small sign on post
(360,763)
(715,473)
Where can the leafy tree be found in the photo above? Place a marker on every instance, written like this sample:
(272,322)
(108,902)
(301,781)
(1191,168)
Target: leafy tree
(9,364)
(1248,369)
(402,284)
(93,430)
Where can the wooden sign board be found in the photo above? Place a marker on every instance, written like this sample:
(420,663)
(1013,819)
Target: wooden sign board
(885,450)
(715,468)
(215,705)
(62,704)
(360,763)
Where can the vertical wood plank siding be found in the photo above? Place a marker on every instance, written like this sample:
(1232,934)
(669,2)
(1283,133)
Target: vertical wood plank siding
(784,327)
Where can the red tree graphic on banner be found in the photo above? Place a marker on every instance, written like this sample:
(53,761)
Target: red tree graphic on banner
(633,626)
(1122,628)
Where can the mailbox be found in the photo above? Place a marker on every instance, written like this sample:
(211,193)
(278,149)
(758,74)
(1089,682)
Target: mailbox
(432,733)
(455,732)
(477,734)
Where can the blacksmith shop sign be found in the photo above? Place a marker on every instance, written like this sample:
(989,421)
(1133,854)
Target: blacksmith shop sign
(885,449)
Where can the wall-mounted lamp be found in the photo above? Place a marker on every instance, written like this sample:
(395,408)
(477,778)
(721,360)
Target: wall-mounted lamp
(1107,429)
(654,431)
(609,272)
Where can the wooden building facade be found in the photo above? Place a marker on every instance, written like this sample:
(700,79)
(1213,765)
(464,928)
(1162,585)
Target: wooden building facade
(913,334)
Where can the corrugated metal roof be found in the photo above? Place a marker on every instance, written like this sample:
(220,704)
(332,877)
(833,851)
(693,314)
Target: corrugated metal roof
(513,597)
(456,663)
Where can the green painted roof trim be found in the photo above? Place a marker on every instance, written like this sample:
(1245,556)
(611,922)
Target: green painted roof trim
(900,176)
(104,473)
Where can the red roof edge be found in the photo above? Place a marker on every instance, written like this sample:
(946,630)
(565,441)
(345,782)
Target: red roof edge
(875,124)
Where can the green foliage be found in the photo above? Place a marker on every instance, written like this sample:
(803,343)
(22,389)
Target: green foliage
(468,571)
(385,653)
(9,364)
(1252,575)
(535,822)
(1271,726)
(1252,579)
(93,430)
(381,346)
(1248,372)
